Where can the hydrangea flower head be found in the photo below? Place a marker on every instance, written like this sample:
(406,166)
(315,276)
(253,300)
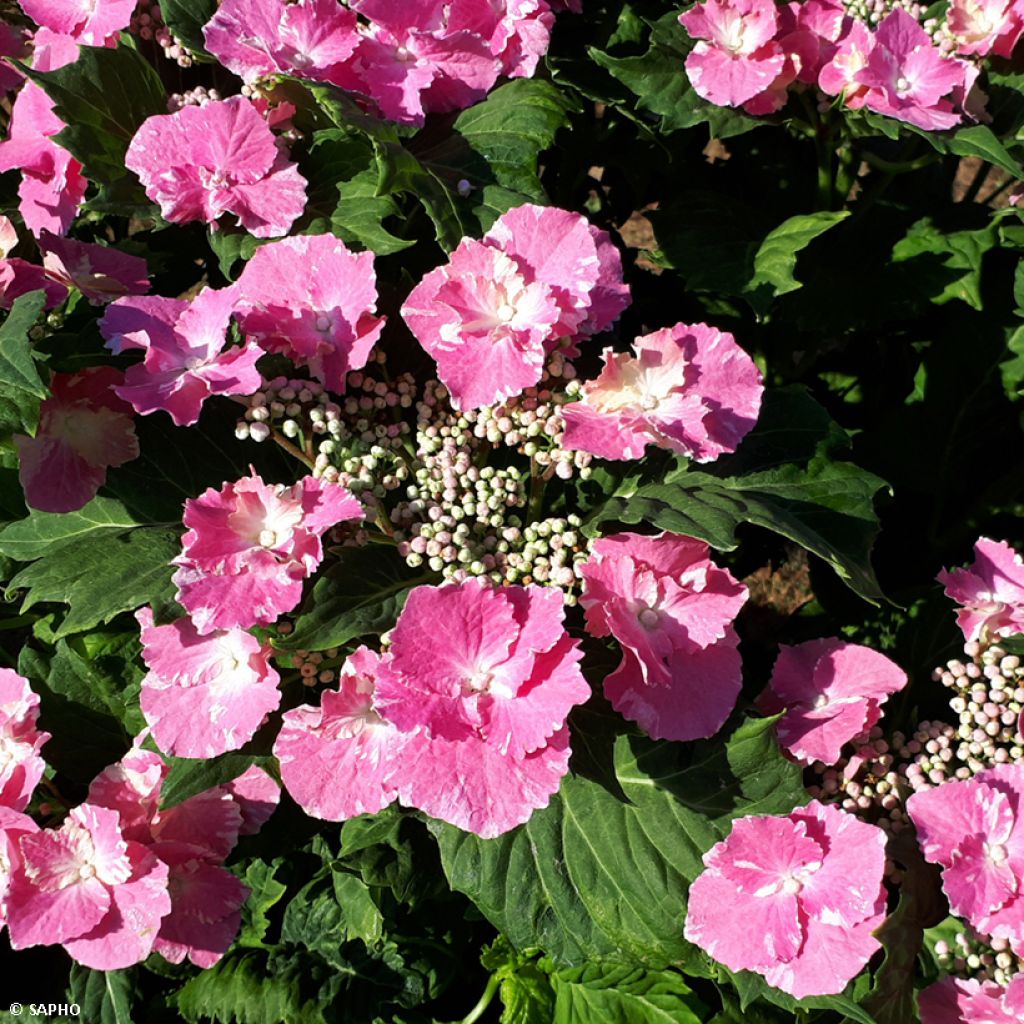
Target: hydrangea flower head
(342,758)
(85,886)
(203,162)
(99,272)
(981,27)
(91,22)
(990,592)
(794,898)
(831,691)
(52,185)
(21,766)
(907,76)
(260,38)
(658,595)
(204,695)
(313,300)
(84,429)
(840,76)
(185,356)
(493,312)
(736,56)
(469,661)
(970,1001)
(689,388)
(974,829)
(249,546)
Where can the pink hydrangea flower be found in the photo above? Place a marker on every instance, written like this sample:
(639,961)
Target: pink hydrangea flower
(312,300)
(19,277)
(990,592)
(491,315)
(342,758)
(793,898)
(695,700)
(204,695)
(13,825)
(260,38)
(249,546)
(736,56)
(418,58)
(472,785)
(185,356)
(970,1001)
(206,908)
(256,795)
(908,78)
(99,272)
(84,886)
(831,692)
(981,27)
(84,430)
(974,829)
(92,22)
(840,76)
(689,388)
(191,840)
(52,185)
(21,765)
(472,662)
(222,157)
(658,596)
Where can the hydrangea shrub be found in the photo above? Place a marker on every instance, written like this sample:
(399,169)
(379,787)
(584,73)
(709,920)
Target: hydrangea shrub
(485,487)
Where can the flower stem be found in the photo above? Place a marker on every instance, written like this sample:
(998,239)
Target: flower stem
(485,1000)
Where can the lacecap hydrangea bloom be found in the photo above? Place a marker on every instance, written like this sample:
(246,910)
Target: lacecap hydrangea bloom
(249,546)
(84,430)
(463,718)
(974,829)
(981,27)
(970,1001)
(990,591)
(794,898)
(187,358)
(21,764)
(689,388)
(204,695)
(671,609)
(202,162)
(490,316)
(831,692)
(313,300)
(91,23)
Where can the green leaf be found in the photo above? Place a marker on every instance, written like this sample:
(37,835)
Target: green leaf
(103,997)
(596,877)
(752,988)
(231,246)
(17,367)
(360,595)
(186,18)
(109,686)
(512,127)
(242,989)
(265,892)
(44,533)
(363,919)
(947,263)
(190,776)
(824,505)
(980,140)
(103,98)
(775,259)
(99,581)
(622,995)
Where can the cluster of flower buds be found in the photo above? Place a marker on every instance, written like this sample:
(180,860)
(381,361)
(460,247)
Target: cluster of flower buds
(974,956)
(197,97)
(148,23)
(874,11)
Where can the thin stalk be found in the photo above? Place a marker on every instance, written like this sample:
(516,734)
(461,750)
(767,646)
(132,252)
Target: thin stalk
(493,983)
